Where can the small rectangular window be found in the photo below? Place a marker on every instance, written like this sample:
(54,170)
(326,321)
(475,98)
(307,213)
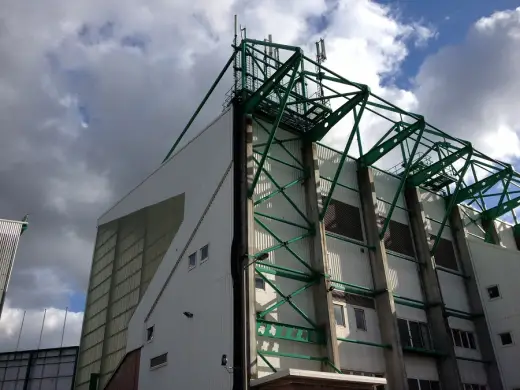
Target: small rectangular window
(149,333)
(204,253)
(506,338)
(456,337)
(259,283)
(471,339)
(424,384)
(425,333)
(338,315)
(465,342)
(403,332)
(434,385)
(159,360)
(415,332)
(192,260)
(493,292)
(413,384)
(361,323)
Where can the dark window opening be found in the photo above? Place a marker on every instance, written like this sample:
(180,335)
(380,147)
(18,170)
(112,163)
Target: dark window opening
(398,238)
(204,252)
(259,283)
(159,360)
(444,253)
(493,292)
(360,319)
(149,333)
(338,315)
(403,332)
(506,338)
(344,220)
(193,260)
(456,337)
(471,339)
(414,334)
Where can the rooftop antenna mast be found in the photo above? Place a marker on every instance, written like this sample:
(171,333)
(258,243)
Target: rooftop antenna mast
(321,56)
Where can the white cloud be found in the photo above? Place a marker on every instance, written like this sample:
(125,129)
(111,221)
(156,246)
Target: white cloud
(11,324)
(472,90)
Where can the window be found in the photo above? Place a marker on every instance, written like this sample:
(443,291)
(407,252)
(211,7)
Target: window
(360,319)
(398,238)
(204,253)
(338,315)
(422,384)
(160,360)
(444,254)
(506,338)
(414,334)
(149,333)
(344,220)
(493,292)
(468,386)
(259,283)
(192,260)
(463,339)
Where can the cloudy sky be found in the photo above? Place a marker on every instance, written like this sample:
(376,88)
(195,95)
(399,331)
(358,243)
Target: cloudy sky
(94,92)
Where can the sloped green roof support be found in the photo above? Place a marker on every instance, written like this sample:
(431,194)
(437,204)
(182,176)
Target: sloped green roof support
(321,129)
(482,185)
(374,154)
(425,174)
(501,209)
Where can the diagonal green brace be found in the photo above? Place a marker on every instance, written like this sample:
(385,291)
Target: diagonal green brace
(482,185)
(319,131)
(501,209)
(437,167)
(374,154)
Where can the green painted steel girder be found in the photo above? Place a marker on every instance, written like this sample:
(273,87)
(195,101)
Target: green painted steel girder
(282,331)
(322,128)
(501,209)
(261,93)
(426,173)
(374,154)
(482,185)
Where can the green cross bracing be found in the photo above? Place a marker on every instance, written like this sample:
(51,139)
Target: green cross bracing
(274,84)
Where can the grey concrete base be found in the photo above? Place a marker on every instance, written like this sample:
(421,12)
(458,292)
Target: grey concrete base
(442,341)
(319,261)
(394,361)
(481,327)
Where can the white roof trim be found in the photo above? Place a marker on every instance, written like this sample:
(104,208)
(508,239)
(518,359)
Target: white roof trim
(291,372)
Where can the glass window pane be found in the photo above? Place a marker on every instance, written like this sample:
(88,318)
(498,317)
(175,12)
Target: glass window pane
(9,386)
(11,373)
(360,319)
(456,337)
(403,332)
(19,385)
(193,260)
(425,334)
(506,338)
(413,384)
(471,339)
(338,315)
(415,332)
(434,385)
(50,370)
(493,292)
(64,383)
(36,371)
(204,252)
(464,336)
(48,384)
(424,384)
(21,372)
(34,384)
(66,369)
(259,283)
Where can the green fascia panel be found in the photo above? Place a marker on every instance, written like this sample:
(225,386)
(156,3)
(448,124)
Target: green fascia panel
(378,152)
(281,331)
(482,185)
(262,92)
(423,175)
(321,129)
(501,209)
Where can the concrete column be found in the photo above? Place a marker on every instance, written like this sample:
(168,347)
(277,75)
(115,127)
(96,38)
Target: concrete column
(482,330)
(491,231)
(250,272)
(394,361)
(319,260)
(448,368)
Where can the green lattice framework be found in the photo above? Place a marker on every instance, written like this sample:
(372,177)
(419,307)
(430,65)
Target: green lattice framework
(280,83)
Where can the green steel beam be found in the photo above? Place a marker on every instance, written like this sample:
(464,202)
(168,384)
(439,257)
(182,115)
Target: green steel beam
(319,131)
(425,174)
(482,185)
(208,94)
(361,342)
(501,209)
(341,161)
(284,272)
(261,93)
(374,154)
(282,331)
(266,361)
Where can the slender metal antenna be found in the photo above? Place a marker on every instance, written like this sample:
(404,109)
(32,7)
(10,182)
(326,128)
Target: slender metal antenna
(321,56)
(20,333)
(64,323)
(41,331)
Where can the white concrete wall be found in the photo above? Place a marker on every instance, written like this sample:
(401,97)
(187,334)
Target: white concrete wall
(434,210)
(421,367)
(191,344)
(403,277)
(495,265)
(386,187)
(349,263)
(505,232)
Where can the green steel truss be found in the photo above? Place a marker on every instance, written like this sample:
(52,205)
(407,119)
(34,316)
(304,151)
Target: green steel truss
(279,85)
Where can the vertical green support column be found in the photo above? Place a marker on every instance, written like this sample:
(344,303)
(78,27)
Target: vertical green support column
(250,272)
(447,364)
(481,326)
(319,262)
(394,361)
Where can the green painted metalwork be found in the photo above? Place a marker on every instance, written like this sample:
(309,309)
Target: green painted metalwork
(482,185)
(321,129)
(501,209)
(262,356)
(282,331)
(368,343)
